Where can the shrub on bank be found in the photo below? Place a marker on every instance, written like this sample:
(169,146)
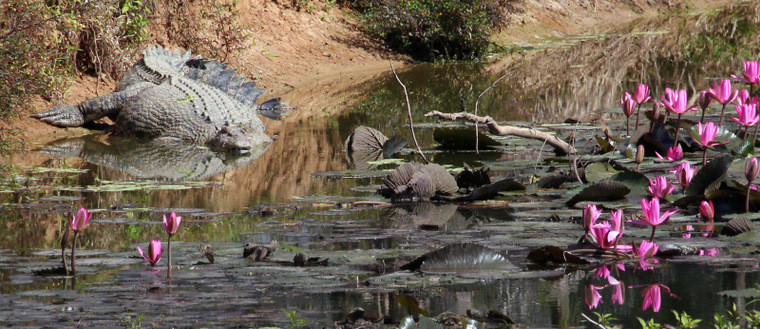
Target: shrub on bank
(433,29)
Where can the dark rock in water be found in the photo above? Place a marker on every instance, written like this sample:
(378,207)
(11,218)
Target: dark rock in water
(366,144)
(494,317)
(469,178)
(418,182)
(208,252)
(460,257)
(259,252)
(301,260)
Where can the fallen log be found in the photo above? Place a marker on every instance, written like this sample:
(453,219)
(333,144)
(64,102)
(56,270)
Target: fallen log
(560,147)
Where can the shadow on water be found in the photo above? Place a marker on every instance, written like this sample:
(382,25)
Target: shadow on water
(274,195)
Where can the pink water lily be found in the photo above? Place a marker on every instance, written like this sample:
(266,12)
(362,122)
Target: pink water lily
(660,187)
(652,296)
(709,252)
(684,173)
(687,228)
(604,272)
(746,115)
(80,220)
(751,73)
(646,249)
(743,97)
(675,153)
(592,296)
(675,101)
(603,235)
(590,214)
(723,94)
(642,94)
(154,252)
(707,135)
(618,226)
(618,294)
(171,224)
(652,215)
(628,105)
(707,211)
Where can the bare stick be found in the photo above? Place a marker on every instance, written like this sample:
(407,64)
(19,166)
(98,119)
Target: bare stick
(409,112)
(592,321)
(477,150)
(560,146)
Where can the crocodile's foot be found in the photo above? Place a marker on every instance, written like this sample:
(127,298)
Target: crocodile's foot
(61,116)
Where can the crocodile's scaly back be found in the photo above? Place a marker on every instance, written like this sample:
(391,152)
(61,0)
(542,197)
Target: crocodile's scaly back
(175,95)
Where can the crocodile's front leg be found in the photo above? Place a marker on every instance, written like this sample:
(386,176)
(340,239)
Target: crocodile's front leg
(91,109)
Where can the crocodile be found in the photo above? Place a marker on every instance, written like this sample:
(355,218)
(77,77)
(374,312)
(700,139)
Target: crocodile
(169,162)
(177,97)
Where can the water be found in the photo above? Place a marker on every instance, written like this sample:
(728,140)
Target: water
(273,195)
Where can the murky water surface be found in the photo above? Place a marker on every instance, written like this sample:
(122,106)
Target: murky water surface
(302,192)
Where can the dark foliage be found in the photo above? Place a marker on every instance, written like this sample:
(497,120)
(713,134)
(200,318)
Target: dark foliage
(432,29)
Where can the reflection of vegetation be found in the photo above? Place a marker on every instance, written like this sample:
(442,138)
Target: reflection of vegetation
(727,35)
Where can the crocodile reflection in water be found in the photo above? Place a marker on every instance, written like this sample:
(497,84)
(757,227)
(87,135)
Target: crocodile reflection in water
(180,161)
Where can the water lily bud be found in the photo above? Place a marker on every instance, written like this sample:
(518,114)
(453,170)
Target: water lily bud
(639,154)
(704,99)
(655,110)
(751,169)
(707,211)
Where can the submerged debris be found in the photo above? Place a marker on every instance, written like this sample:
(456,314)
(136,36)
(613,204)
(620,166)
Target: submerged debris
(418,182)
(259,252)
(367,144)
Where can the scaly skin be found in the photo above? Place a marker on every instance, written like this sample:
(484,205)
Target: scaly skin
(176,97)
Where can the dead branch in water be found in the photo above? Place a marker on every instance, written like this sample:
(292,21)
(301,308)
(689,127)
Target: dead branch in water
(409,112)
(476,110)
(560,147)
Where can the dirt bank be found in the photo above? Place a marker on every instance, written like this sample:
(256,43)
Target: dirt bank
(312,57)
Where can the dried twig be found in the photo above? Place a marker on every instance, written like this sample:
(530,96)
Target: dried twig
(409,112)
(560,146)
(477,150)
(592,321)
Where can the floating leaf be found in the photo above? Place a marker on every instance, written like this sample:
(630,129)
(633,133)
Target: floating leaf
(460,257)
(599,171)
(710,174)
(603,191)
(554,181)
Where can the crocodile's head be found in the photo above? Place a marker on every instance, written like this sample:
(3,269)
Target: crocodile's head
(232,139)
